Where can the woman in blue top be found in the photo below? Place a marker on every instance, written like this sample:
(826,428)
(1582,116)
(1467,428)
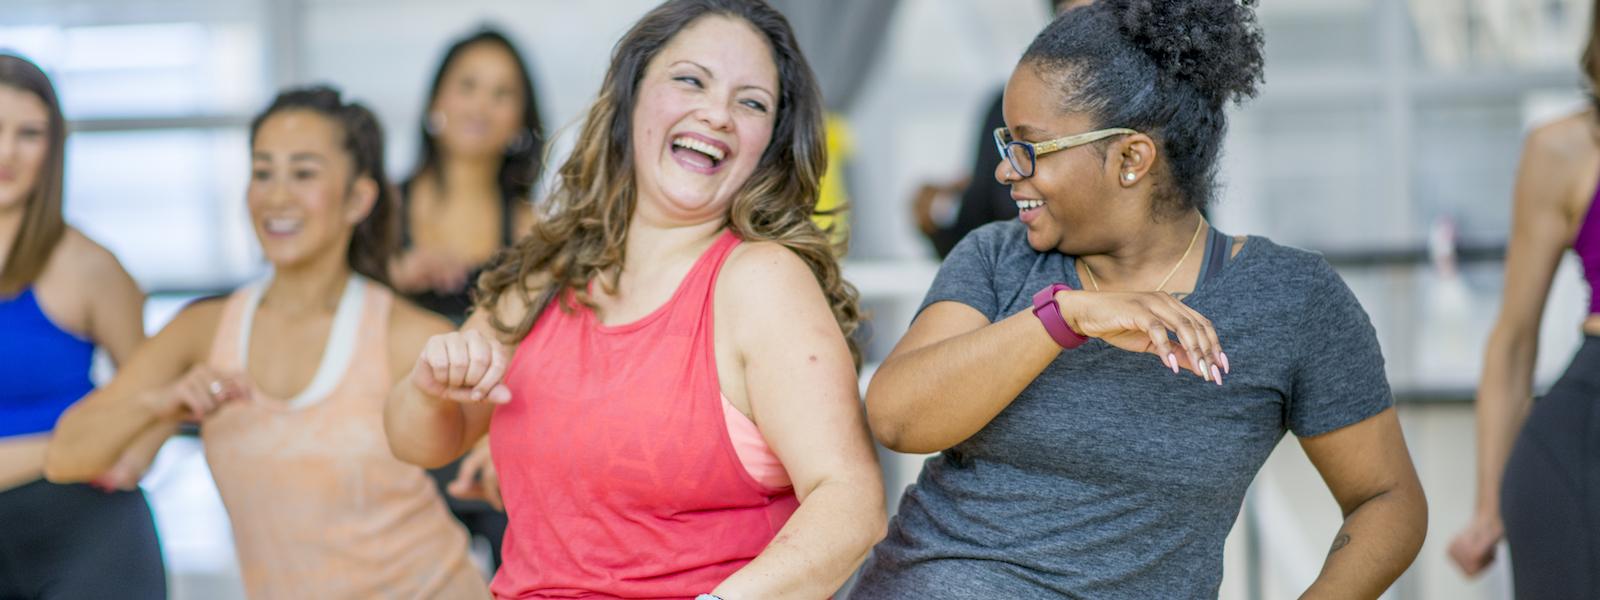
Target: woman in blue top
(1074,459)
(61,295)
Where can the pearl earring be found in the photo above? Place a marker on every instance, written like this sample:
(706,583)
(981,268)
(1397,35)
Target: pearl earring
(1128,177)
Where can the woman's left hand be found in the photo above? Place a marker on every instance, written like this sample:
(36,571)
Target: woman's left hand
(477,479)
(1144,322)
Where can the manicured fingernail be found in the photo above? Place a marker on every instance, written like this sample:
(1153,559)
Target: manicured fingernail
(1172,359)
(1205,370)
(1224,357)
(1215,375)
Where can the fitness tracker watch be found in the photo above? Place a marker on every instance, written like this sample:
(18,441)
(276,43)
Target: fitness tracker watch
(1049,313)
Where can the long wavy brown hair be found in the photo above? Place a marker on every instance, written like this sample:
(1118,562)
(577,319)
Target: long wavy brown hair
(581,237)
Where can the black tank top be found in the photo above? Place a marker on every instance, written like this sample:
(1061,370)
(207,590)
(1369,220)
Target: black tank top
(453,306)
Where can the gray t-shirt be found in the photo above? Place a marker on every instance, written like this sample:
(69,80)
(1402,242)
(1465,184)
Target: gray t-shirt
(1109,476)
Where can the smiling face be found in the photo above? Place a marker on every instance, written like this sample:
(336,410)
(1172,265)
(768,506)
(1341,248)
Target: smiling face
(706,107)
(24,144)
(479,107)
(1068,198)
(303,204)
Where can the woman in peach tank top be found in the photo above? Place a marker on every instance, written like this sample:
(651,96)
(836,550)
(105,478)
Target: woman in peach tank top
(287,378)
(664,367)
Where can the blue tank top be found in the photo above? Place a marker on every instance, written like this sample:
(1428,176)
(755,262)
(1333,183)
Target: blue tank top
(44,368)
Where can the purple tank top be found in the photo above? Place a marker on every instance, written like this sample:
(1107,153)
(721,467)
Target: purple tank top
(1587,245)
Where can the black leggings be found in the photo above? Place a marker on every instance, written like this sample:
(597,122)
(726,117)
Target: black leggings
(73,541)
(1550,495)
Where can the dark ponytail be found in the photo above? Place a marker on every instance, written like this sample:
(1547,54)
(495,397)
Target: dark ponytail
(376,238)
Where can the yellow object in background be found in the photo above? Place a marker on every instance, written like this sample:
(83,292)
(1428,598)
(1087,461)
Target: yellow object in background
(834,195)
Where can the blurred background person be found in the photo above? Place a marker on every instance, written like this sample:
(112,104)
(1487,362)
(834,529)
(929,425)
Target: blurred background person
(482,142)
(319,505)
(61,296)
(1539,460)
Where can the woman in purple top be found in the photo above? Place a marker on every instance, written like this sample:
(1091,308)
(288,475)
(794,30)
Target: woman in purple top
(1540,489)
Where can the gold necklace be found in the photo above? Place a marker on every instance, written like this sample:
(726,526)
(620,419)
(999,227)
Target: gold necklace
(1174,271)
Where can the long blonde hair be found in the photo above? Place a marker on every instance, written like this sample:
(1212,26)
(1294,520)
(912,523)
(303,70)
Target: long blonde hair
(582,236)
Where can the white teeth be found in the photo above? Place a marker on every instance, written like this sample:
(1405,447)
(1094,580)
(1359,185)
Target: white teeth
(699,146)
(1029,204)
(282,225)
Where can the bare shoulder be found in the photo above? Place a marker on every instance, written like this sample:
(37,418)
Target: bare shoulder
(761,279)
(203,314)
(761,269)
(411,325)
(192,330)
(1561,161)
(1569,138)
(88,260)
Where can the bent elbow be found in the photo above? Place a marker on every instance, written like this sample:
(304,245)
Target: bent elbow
(410,454)
(890,427)
(61,470)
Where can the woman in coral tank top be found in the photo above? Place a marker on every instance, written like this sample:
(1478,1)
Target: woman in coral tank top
(663,367)
(287,378)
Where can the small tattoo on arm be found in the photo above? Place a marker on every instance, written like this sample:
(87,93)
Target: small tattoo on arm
(1339,542)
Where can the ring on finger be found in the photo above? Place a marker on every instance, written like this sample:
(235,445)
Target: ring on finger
(215,388)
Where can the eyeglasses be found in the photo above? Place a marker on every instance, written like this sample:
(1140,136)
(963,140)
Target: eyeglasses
(1024,155)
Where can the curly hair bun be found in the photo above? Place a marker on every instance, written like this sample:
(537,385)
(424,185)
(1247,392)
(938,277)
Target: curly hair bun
(1213,45)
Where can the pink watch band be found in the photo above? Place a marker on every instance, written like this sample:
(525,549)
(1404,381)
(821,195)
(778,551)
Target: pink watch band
(1049,313)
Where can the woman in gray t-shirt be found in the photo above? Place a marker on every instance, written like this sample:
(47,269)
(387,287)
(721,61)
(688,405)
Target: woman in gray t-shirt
(1074,457)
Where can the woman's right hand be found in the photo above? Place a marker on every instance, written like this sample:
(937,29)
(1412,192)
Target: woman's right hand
(199,393)
(1473,549)
(462,366)
(1141,321)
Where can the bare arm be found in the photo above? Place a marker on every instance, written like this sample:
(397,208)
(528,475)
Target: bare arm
(431,418)
(116,324)
(931,372)
(1541,231)
(116,306)
(953,372)
(148,394)
(1369,471)
(801,388)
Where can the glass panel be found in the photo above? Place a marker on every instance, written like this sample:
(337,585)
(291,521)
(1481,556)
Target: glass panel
(178,69)
(1459,35)
(1466,164)
(1322,178)
(168,203)
(1319,34)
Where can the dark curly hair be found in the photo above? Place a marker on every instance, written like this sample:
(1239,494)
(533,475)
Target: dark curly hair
(1167,68)
(377,237)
